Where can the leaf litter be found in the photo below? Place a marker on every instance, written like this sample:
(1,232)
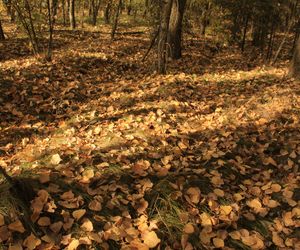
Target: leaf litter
(122,159)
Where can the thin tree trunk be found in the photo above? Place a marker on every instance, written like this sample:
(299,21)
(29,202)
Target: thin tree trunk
(72,14)
(175,28)
(115,24)
(245,33)
(2,36)
(163,35)
(64,12)
(107,13)
(51,6)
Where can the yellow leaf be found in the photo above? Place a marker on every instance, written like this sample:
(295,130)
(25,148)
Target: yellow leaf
(73,245)
(205,219)
(255,204)
(275,188)
(16,226)
(189,228)
(225,210)
(277,240)
(219,243)
(55,159)
(77,214)
(87,225)
(150,239)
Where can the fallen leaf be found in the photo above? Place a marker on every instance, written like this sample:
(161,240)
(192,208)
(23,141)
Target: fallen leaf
(150,239)
(218,243)
(55,159)
(31,242)
(87,225)
(16,226)
(77,214)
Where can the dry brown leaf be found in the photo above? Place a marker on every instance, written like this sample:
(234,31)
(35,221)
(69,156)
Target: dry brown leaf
(77,214)
(218,243)
(55,159)
(277,240)
(219,192)
(31,242)
(255,204)
(2,222)
(56,227)
(87,225)
(236,235)
(150,239)
(44,221)
(16,246)
(275,188)
(225,210)
(189,228)
(16,226)
(73,245)
(194,194)
(4,233)
(206,219)
(95,205)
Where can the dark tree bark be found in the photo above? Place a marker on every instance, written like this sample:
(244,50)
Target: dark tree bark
(2,36)
(129,8)
(72,14)
(107,13)
(163,36)
(175,28)
(51,7)
(95,6)
(294,70)
(63,5)
(115,24)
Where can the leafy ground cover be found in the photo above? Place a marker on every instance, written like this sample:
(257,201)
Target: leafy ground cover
(206,157)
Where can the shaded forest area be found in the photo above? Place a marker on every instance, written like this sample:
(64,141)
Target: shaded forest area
(149,124)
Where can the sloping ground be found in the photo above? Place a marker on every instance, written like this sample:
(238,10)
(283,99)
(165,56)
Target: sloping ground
(122,159)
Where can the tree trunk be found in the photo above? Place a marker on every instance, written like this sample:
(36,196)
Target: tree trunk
(175,28)
(294,70)
(129,8)
(115,24)
(63,4)
(163,35)
(107,13)
(51,7)
(72,14)
(95,6)
(2,36)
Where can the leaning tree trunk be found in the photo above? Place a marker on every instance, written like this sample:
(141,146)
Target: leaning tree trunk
(72,14)
(294,70)
(163,35)
(175,28)
(2,36)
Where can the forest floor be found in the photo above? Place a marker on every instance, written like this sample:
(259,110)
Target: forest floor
(205,157)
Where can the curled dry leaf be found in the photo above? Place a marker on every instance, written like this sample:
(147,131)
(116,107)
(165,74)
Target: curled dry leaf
(55,159)
(4,233)
(56,227)
(225,210)
(95,205)
(73,244)
(194,194)
(16,226)
(189,228)
(77,214)
(31,242)
(218,242)
(150,239)
(87,225)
